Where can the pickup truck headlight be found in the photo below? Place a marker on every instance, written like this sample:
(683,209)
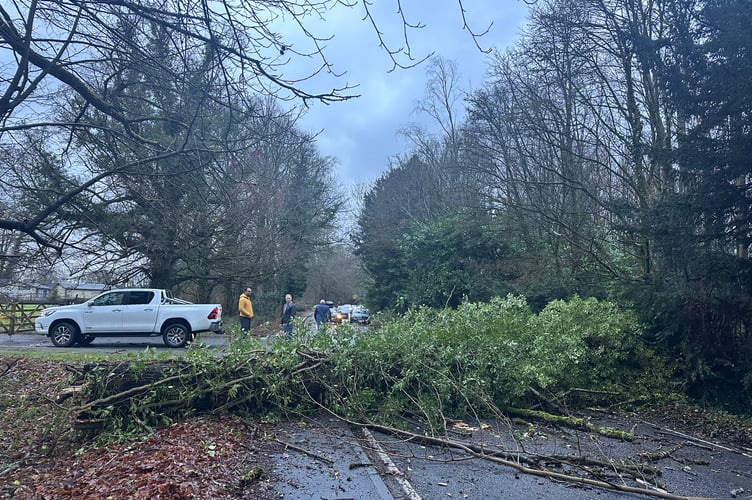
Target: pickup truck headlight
(47,312)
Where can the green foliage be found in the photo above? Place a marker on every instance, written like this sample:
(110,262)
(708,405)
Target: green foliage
(408,194)
(429,364)
(147,390)
(486,356)
(454,258)
(702,324)
(436,259)
(584,343)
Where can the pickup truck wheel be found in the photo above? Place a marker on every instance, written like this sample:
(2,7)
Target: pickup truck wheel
(85,340)
(176,334)
(64,334)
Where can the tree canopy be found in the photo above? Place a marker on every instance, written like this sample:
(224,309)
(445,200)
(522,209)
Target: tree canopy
(152,153)
(608,151)
(155,146)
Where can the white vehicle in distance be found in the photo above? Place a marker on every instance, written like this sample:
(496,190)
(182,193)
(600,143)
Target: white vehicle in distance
(129,312)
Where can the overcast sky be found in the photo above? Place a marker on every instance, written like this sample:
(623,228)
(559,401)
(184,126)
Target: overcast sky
(362,133)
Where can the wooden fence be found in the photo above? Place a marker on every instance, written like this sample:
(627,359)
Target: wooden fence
(17,318)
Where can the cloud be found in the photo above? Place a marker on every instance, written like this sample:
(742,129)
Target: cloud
(362,133)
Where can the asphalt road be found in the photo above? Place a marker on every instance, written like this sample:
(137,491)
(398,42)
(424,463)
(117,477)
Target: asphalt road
(39,342)
(328,459)
(333,461)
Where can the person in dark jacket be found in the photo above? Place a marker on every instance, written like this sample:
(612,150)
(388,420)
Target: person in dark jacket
(288,312)
(321,314)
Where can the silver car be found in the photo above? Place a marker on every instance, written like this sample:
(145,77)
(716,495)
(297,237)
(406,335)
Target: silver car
(360,315)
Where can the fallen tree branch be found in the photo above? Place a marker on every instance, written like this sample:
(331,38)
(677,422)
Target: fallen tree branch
(661,454)
(695,440)
(428,440)
(10,366)
(15,465)
(68,392)
(576,422)
(305,452)
(484,453)
(127,393)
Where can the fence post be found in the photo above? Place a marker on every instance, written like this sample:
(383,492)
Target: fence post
(12,319)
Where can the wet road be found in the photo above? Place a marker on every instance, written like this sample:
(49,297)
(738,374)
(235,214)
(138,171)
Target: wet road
(39,342)
(331,461)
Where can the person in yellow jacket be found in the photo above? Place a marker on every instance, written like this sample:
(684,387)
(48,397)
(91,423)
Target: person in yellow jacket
(245,308)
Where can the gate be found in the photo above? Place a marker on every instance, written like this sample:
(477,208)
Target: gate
(16,318)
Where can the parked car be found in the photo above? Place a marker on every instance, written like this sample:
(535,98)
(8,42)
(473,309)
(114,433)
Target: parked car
(129,312)
(343,314)
(360,315)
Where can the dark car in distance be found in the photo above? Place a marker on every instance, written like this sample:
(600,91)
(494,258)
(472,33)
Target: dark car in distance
(343,314)
(360,315)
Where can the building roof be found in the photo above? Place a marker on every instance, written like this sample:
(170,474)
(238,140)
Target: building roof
(75,285)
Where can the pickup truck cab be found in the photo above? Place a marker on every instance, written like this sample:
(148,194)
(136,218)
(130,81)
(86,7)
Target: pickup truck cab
(129,312)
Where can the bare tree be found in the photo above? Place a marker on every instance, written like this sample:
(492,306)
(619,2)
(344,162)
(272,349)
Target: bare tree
(89,47)
(444,151)
(575,130)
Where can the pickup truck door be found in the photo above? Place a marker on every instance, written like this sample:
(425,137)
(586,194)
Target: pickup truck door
(140,311)
(104,313)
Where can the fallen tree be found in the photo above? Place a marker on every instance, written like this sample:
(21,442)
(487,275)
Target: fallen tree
(483,361)
(174,389)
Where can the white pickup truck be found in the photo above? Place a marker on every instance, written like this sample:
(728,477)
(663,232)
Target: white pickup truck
(129,312)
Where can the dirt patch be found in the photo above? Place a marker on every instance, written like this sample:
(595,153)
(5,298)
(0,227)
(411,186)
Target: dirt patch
(198,458)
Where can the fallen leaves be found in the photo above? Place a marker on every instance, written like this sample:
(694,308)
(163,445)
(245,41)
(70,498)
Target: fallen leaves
(207,457)
(175,462)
